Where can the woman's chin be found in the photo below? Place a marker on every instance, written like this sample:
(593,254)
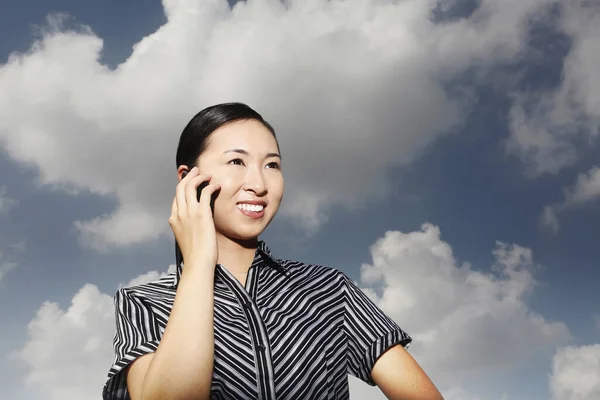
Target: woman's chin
(243,235)
(243,231)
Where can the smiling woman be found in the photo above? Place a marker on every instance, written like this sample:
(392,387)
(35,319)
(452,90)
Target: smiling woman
(234,322)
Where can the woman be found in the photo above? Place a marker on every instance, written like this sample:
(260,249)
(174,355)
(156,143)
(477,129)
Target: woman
(235,322)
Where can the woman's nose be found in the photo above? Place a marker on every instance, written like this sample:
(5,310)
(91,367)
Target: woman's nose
(255,181)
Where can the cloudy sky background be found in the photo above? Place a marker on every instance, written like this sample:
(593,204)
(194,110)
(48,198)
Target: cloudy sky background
(442,153)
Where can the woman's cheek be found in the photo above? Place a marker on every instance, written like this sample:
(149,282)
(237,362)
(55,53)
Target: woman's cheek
(225,179)
(227,183)
(276,185)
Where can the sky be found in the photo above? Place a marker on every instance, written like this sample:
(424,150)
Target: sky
(442,153)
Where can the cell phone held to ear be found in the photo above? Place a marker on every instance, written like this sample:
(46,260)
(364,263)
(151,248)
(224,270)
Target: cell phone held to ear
(200,187)
(178,255)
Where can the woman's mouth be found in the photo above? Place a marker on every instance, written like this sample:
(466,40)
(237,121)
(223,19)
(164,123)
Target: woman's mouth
(251,210)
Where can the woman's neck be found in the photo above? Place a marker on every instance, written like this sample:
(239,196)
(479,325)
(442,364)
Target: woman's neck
(236,256)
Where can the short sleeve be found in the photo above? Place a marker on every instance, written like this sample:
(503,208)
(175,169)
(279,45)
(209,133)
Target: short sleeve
(370,332)
(137,333)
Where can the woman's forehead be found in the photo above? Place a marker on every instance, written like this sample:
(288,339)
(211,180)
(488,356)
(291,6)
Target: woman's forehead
(249,135)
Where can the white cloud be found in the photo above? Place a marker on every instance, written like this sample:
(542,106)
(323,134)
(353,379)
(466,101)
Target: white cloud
(585,190)
(549,127)
(148,277)
(576,373)
(68,352)
(341,81)
(464,321)
(546,125)
(6,203)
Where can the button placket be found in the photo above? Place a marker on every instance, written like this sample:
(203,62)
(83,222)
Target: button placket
(245,294)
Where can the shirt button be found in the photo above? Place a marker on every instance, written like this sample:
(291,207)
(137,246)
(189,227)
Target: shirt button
(248,305)
(261,347)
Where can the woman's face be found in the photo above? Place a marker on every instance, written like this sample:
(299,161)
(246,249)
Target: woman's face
(242,156)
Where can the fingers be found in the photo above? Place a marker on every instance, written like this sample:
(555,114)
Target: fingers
(174,206)
(180,190)
(185,201)
(207,194)
(191,190)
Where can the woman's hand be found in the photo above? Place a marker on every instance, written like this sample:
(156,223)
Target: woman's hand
(192,221)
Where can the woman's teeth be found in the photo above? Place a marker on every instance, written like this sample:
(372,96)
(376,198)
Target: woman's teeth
(250,207)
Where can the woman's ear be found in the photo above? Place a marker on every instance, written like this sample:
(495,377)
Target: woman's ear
(182,171)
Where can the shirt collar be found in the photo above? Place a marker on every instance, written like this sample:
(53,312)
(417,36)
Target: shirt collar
(262,252)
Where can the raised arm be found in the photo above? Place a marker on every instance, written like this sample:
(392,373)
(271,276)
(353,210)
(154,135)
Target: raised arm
(182,366)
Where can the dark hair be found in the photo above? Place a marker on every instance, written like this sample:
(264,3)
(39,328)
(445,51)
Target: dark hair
(193,139)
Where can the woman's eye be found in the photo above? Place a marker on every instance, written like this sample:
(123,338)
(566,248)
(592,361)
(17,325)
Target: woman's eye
(237,161)
(273,164)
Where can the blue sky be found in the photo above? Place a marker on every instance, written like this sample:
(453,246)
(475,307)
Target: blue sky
(446,146)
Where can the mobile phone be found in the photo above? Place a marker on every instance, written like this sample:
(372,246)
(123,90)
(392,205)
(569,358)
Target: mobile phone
(178,255)
(200,187)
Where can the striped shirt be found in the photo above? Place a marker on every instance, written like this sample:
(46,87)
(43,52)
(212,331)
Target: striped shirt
(294,331)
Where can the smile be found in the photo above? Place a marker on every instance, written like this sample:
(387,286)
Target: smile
(250,207)
(254,211)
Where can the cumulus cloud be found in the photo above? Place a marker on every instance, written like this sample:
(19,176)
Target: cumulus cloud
(576,373)
(341,82)
(463,320)
(547,125)
(148,277)
(585,190)
(550,128)
(68,352)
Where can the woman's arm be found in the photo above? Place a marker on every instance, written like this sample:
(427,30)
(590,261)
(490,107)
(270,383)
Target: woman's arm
(399,377)
(182,366)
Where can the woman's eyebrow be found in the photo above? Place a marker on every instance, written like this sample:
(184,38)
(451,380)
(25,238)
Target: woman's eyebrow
(244,152)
